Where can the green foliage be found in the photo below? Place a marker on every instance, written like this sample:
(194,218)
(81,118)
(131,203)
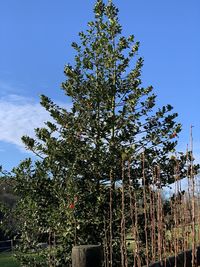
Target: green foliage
(64,196)
(7,260)
(8,200)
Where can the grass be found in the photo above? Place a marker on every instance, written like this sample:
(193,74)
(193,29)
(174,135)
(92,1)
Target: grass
(7,260)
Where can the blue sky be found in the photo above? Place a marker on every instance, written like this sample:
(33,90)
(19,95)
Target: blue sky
(35,38)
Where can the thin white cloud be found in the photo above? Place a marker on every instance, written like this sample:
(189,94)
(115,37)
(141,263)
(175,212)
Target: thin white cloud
(5,87)
(19,116)
(9,88)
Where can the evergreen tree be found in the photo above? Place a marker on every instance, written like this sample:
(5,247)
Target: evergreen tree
(112,113)
(113,119)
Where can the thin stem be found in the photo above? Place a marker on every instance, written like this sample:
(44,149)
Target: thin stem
(193,203)
(124,262)
(145,210)
(111,218)
(131,198)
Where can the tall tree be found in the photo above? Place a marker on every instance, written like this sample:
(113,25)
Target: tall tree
(75,184)
(112,113)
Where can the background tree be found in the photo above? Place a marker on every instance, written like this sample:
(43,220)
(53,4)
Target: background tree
(8,200)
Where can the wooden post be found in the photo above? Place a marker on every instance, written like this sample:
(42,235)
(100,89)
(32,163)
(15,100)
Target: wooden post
(87,256)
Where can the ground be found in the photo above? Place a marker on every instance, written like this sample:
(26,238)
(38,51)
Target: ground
(7,260)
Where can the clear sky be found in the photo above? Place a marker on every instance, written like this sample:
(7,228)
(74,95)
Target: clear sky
(35,38)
